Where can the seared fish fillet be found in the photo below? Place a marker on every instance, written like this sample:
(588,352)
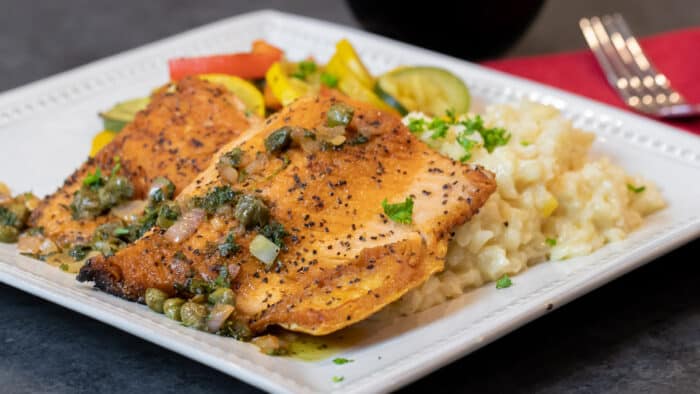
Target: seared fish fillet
(345,258)
(175,137)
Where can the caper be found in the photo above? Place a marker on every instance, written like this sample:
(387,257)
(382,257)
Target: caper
(85,204)
(116,190)
(279,140)
(167,215)
(222,295)
(199,298)
(232,158)
(171,308)
(8,234)
(79,251)
(250,211)
(21,213)
(236,329)
(155,299)
(194,315)
(339,114)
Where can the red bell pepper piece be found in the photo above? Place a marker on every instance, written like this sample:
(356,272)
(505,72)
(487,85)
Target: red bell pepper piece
(251,65)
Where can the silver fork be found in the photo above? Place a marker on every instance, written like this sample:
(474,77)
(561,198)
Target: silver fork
(630,72)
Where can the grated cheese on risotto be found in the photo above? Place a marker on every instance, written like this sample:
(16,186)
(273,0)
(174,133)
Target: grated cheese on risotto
(552,202)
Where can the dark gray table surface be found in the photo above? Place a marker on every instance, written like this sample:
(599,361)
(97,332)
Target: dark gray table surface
(640,333)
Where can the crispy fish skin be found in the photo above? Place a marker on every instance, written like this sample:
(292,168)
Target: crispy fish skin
(345,259)
(175,137)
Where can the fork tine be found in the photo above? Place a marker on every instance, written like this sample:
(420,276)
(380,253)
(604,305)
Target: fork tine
(618,75)
(641,84)
(651,77)
(614,78)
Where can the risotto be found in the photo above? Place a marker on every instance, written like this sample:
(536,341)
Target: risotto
(553,201)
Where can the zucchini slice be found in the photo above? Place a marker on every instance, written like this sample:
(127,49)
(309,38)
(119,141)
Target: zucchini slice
(431,90)
(118,116)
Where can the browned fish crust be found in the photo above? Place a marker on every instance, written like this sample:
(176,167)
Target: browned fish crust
(174,137)
(345,259)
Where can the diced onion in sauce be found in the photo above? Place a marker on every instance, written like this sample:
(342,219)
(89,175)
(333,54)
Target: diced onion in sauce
(233,270)
(218,316)
(185,226)
(129,211)
(229,174)
(270,344)
(256,166)
(263,249)
(36,244)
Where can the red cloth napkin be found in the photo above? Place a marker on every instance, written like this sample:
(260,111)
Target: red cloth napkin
(676,54)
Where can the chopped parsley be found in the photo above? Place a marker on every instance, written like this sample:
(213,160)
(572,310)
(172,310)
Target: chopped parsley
(451,116)
(525,143)
(503,282)
(93,180)
(275,232)
(7,217)
(232,158)
(329,80)
(229,247)
(341,360)
(217,197)
(359,140)
(304,69)
(79,252)
(117,166)
(493,137)
(338,379)
(439,128)
(63,267)
(467,144)
(551,241)
(222,280)
(635,189)
(416,125)
(400,212)
(121,231)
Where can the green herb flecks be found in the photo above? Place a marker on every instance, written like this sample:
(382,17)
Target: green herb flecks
(341,360)
(93,179)
(329,80)
(635,189)
(79,252)
(399,212)
(228,247)
(359,140)
(504,282)
(304,69)
(98,194)
(232,158)
(275,232)
(493,137)
(439,128)
(416,125)
(338,379)
(217,197)
(7,217)
(119,231)
(467,144)
(551,242)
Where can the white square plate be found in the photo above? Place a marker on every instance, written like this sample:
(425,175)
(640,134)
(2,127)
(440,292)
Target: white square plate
(46,128)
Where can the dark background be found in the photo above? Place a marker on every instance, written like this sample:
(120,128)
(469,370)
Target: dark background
(640,333)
